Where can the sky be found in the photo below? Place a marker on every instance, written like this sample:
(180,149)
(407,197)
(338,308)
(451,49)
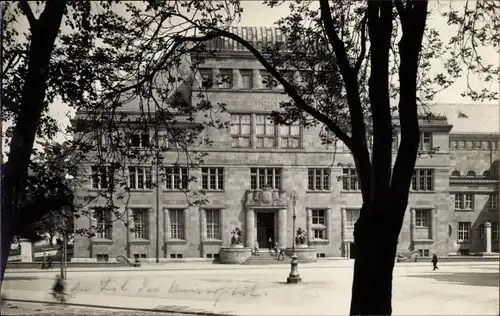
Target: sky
(484,118)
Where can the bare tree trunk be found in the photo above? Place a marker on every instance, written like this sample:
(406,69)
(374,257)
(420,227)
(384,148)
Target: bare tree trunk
(44,32)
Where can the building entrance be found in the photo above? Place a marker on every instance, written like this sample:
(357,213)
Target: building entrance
(265,228)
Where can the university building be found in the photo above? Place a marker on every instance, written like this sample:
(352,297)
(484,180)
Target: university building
(255,172)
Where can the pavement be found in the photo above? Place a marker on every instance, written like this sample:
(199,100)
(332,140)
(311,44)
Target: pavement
(199,288)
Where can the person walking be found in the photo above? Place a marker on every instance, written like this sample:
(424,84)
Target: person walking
(270,245)
(44,261)
(256,248)
(49,263)
(434,262)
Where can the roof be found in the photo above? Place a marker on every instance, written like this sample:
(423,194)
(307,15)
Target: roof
(470,118)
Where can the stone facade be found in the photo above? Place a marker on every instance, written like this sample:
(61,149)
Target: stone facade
(327,199)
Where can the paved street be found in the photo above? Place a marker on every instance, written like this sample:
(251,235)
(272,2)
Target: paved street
(456,288)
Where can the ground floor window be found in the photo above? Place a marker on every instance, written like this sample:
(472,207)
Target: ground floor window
(213,223)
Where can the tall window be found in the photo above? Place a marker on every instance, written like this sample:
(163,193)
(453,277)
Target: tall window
(350,180)
(206,78)
(480,231)
(212,178)
(102,177)
(463,231)
(318,179)
(246,79)
(290,135)
(319,224)
(141,218)
(494,231)
(140,140)
(493,201)
(240,130)
(425,141)
(422,180)
(464,201)
(395,141)
(262,177)
(176,223)
(176,178)
(213,224)
(103,223)
(422,218)
(265,131)
(140,178)
(352,216)
(226,79)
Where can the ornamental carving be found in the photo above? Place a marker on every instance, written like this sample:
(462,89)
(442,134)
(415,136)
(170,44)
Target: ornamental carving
(266,197)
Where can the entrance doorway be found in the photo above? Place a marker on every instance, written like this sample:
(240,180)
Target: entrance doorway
(265,228)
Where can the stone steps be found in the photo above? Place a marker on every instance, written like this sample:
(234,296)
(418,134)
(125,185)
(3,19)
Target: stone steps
(265,258)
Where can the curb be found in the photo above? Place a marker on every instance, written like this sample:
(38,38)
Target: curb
(130,309)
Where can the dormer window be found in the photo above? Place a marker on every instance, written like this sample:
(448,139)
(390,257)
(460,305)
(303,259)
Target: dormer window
(455,173)
(426,141)
(471,173)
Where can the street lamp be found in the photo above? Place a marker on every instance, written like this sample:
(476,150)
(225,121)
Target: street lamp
(294,276)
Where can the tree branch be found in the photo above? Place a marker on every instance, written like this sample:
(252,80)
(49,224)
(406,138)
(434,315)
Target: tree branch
(291,91)
(361,56)
(400,7)
(25,7)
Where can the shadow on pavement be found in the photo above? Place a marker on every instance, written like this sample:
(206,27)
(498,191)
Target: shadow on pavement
(19,278)
(475,279)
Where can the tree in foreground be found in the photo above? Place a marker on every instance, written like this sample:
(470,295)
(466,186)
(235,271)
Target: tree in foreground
(341,64)
(95,58)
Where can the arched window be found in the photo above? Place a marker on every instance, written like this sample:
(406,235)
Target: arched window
(486,173)
(455,173)
(471,173)
(480,231)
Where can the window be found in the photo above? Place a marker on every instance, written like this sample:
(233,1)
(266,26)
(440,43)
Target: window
(265,131)
(176,178)
(176,223)
(423,252)
(350,180)
(493,201)
(212,178)
(290,135)
(464,201)
(262,177)
(139,140)
(480,231)
(463,231)
(494,231)
(100,140)
(103,223)
(240,130)
(102,257)
(426,141)
(351,217)
(246,79)
(319,224)
(422,218)
(206,78)
(471,173)
(140,178)
(226,79)
(213,224)
(486,173)
(455,173)
(319,179)
(141,256)
(102,177)
(422,180)
(267,81)
(141,218)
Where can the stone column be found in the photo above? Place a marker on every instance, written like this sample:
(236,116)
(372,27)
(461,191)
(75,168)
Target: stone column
(282,227)
(26,250)
(487,228)
(412,225)
(309,225)
(342,233)
(203,222)
(432,226)
(236,79)
(166,224)
(256,79)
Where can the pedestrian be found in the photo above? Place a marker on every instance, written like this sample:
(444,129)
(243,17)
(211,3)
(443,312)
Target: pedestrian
(49,263)
(434,262)
(276,249)
(281,253)
(44,261)
(256,248)
(270,245)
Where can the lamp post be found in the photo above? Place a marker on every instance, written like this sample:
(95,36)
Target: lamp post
(294,276)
